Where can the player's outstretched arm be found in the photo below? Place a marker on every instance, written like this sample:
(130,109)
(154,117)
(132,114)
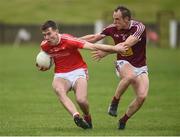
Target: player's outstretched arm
(107,48)
(111,49)
(92,37)
(130,41)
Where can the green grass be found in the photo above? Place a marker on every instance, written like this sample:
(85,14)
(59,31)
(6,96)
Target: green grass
(28,105)
(80,11)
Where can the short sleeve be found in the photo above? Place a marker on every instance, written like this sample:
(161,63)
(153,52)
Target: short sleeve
(138,30)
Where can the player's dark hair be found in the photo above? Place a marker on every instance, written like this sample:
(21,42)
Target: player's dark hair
(49,24)
(124,11)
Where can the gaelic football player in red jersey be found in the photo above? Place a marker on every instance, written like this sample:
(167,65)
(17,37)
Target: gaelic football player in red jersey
(131,65)
(70,69)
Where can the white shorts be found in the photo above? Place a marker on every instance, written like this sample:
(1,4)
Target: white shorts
(137,71)
(72,76)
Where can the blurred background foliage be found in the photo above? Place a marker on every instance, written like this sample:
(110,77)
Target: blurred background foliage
(80,11)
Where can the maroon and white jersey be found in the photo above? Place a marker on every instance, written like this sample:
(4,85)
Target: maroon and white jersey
(136,55)
(66,55)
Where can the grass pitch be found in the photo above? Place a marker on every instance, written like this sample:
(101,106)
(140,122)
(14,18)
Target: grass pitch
(28,106)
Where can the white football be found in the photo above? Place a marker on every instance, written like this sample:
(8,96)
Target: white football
(44,60)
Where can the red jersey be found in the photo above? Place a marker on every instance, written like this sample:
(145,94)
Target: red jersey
(136,55)
(65,54)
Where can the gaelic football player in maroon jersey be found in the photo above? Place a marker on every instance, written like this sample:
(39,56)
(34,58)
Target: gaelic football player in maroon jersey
(131,66)
(70,69)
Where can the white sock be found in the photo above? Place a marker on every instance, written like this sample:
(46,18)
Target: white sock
(76,113)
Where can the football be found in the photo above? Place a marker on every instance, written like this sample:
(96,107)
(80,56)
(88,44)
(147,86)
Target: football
(44,60)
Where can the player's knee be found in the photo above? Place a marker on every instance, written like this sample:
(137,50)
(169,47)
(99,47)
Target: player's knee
(59,92)
(129,78)
(81,100)
(142,98)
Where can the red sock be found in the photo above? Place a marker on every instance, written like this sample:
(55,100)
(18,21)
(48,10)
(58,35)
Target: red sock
(125,118)
(87,118)
(115,100)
